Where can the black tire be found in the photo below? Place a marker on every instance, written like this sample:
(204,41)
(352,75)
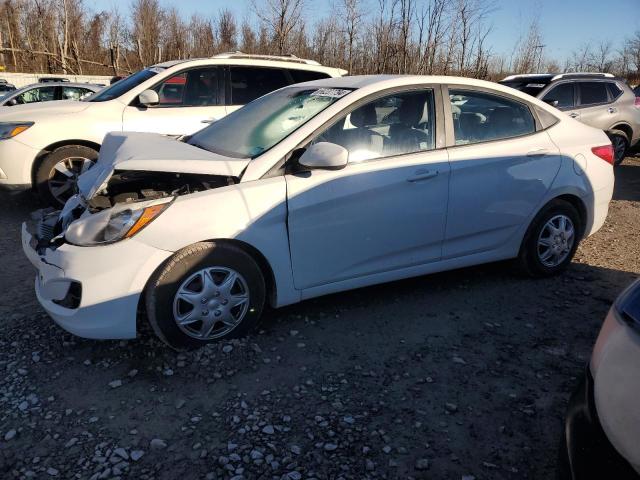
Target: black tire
(45,173)
(620,143)
(165,282)
(528,258)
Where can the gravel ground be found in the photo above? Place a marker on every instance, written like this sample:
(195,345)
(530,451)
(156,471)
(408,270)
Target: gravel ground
(459,375)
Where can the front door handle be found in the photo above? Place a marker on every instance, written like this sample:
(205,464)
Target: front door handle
(422,175)
(538,152)
(573,115)
(209,120)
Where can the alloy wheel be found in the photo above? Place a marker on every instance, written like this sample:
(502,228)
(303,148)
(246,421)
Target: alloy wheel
(556,240)
(64,175)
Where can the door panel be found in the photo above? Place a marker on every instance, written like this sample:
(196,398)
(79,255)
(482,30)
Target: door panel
(495,188)
(501,168)
(368,218)
(189,101)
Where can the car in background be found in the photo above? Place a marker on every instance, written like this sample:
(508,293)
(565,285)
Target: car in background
(52,79)
(5,87)
(597,99)
(47,146)
(602,426)
(316,188)
(47,92)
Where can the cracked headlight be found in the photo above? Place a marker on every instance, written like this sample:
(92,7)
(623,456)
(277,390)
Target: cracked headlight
(115,224)
(11,129)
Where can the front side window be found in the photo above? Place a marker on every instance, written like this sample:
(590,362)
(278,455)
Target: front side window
(123,86)
(563,94)
(593,93)
(249,83)
(194,88)
(41,94)
(392,125)
(75,93)
(254,129)
(481,117)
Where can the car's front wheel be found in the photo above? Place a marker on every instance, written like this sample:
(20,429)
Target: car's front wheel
(551,239)
(58,172)
(203,293)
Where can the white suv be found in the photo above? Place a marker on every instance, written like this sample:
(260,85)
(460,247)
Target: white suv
(47,146)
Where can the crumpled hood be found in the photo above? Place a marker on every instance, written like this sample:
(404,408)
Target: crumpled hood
(58,107)
(152,152)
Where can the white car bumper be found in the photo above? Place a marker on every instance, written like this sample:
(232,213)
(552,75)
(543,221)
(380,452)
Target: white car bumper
(16,161)
(108,280)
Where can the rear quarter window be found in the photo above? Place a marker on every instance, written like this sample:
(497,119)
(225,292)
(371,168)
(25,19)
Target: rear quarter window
(593,93)
(300,76)
(614,90)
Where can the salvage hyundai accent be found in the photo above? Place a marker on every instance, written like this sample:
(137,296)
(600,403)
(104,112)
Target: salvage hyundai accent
(316,188)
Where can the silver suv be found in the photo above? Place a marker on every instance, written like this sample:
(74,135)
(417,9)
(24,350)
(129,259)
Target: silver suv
(597,99)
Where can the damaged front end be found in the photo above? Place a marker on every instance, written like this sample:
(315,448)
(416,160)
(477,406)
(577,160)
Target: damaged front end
(124,204)
(136,177)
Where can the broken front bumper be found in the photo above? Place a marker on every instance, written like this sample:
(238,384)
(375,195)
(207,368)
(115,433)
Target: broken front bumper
(92,292)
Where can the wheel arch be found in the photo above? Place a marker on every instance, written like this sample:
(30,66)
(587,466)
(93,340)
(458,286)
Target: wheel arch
(623,127)
(578,204)
(54,146)
(260,259)
(257,255)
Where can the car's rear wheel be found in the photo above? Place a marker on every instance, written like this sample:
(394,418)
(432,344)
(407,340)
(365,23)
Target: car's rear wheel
(58,172)
(204,293)
(551,239)
(620,144)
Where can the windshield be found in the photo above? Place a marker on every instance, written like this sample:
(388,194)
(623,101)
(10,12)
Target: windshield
(259,125)
(123,86)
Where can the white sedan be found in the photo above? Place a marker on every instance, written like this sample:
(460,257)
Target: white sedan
(312,189)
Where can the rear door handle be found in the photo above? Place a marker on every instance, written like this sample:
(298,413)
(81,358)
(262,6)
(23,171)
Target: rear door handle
(538,152)
(209,120)
(573,115)
(612,109)
(422,175)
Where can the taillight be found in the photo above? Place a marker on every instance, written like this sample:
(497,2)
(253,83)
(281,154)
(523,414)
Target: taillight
(637,102)
(605,152)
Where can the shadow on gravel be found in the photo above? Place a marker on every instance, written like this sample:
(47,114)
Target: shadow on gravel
(628,179)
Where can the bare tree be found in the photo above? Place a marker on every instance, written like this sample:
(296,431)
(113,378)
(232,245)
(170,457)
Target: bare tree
(281,17)
(227,31)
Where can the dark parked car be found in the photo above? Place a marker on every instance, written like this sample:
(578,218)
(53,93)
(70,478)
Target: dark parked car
(52,79)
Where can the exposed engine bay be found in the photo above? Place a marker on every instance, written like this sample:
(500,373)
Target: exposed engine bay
(123,187)
(131,186)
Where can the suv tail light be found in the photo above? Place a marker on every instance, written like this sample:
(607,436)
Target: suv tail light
(605,152)
(637,102)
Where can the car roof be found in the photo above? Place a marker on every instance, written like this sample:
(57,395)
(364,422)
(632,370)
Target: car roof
(90,86)
(238,58)
(390,81)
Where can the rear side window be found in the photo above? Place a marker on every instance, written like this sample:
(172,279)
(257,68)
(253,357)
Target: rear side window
(249,83)
(197,87)
(481,117)
(614,90)
(300,76)
(593,93)
(563,94)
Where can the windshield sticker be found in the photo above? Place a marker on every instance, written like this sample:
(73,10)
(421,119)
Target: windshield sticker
(330,92)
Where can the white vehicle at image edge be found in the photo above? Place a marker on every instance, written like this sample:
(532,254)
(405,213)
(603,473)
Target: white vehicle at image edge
(45,146)
(316,188)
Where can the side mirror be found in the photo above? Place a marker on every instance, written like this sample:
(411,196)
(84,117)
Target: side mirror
(148,98)
(324,156)
(552,102)
(11,102)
